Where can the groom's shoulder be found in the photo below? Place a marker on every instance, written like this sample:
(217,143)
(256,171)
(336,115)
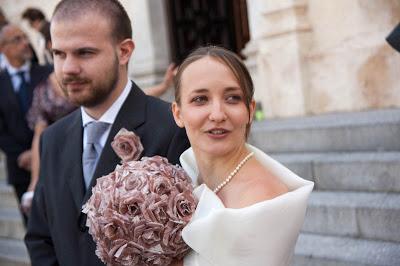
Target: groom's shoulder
(60,128)
(159,108)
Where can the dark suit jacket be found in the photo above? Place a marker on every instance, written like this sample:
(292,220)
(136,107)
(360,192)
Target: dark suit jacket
(15,135)
(57,234)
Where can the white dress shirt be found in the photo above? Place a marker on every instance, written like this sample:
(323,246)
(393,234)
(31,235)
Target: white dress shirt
(13,72)
(108,117)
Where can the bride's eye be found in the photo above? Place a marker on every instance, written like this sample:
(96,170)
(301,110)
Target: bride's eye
(233,99)
(199,99)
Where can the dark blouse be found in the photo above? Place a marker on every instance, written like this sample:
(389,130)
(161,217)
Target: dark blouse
(47,105)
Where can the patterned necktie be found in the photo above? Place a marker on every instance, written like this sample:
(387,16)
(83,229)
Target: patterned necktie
(92,150)
(23,93)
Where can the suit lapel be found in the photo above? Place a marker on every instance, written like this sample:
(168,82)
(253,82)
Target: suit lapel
(10,92)
(131,116)
(73,152)
(35,77)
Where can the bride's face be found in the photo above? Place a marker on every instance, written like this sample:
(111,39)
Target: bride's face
(212,107)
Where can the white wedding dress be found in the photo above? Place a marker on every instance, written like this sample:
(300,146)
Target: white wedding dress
(261,234)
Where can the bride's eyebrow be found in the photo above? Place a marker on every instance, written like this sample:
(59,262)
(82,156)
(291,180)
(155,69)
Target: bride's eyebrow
(230,89)
(200,90)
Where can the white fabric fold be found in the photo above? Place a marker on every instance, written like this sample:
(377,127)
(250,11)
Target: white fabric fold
(261,234)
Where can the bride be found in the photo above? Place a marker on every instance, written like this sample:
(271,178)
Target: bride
(251,208)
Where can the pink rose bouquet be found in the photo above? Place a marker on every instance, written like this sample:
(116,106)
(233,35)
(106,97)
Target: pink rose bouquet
(136,213)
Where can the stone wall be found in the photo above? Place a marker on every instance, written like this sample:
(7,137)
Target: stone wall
(316,56)
(306,56)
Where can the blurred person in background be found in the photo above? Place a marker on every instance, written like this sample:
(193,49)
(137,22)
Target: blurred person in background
(168,80)
(17,82)
(48,105)
(3,22)
(39,23)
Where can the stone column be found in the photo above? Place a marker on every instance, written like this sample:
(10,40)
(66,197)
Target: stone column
(150,33)
(282,59)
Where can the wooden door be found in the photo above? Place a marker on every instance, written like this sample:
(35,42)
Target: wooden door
(194,23)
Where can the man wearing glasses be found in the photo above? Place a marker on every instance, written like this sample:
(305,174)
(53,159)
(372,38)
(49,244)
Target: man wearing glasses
(17,81)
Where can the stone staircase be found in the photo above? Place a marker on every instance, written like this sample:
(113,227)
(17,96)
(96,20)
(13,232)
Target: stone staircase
(12,248)
(353,217)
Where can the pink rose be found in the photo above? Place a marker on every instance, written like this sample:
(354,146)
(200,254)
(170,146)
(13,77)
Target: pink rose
(181,206)
(148,234)
(157,259)
(134,181)
(126,252)
(160,184)
(105,182)
(130,204)
(155,162)
(180,175)
(155,208)
(102,250)
(114,225)
(172,239)
(94,227)
(127,145)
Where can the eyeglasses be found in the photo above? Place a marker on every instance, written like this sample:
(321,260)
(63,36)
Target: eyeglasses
(17,39)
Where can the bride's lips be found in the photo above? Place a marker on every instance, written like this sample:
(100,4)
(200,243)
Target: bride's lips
(217,133)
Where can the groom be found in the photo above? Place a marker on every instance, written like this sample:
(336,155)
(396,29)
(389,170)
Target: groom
(91,45)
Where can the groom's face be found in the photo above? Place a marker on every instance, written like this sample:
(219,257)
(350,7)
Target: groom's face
(85,58)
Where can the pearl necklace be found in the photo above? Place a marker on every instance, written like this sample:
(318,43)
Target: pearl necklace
(233,173)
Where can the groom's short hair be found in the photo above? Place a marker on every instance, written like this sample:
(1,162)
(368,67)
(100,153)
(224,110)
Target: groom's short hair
(111,10)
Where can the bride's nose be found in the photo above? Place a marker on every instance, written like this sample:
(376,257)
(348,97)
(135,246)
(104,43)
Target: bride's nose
(217,112)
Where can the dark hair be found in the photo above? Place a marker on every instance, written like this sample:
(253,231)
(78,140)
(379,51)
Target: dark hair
(112,10)
(231,60)
(33,14)
(3,20)
(45,31)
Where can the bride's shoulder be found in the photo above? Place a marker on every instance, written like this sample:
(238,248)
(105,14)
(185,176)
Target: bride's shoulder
(258,184)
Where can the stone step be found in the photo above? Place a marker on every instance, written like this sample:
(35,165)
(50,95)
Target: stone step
(11,224)
(355,171)
(13,253)
(354,214)
(7,196)
(318,250)
(362,131)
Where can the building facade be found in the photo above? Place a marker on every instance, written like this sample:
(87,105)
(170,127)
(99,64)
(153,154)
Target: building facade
(306,56)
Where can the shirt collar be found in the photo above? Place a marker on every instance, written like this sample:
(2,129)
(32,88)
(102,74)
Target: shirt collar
(12,70)
(112,112)
(3,59)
